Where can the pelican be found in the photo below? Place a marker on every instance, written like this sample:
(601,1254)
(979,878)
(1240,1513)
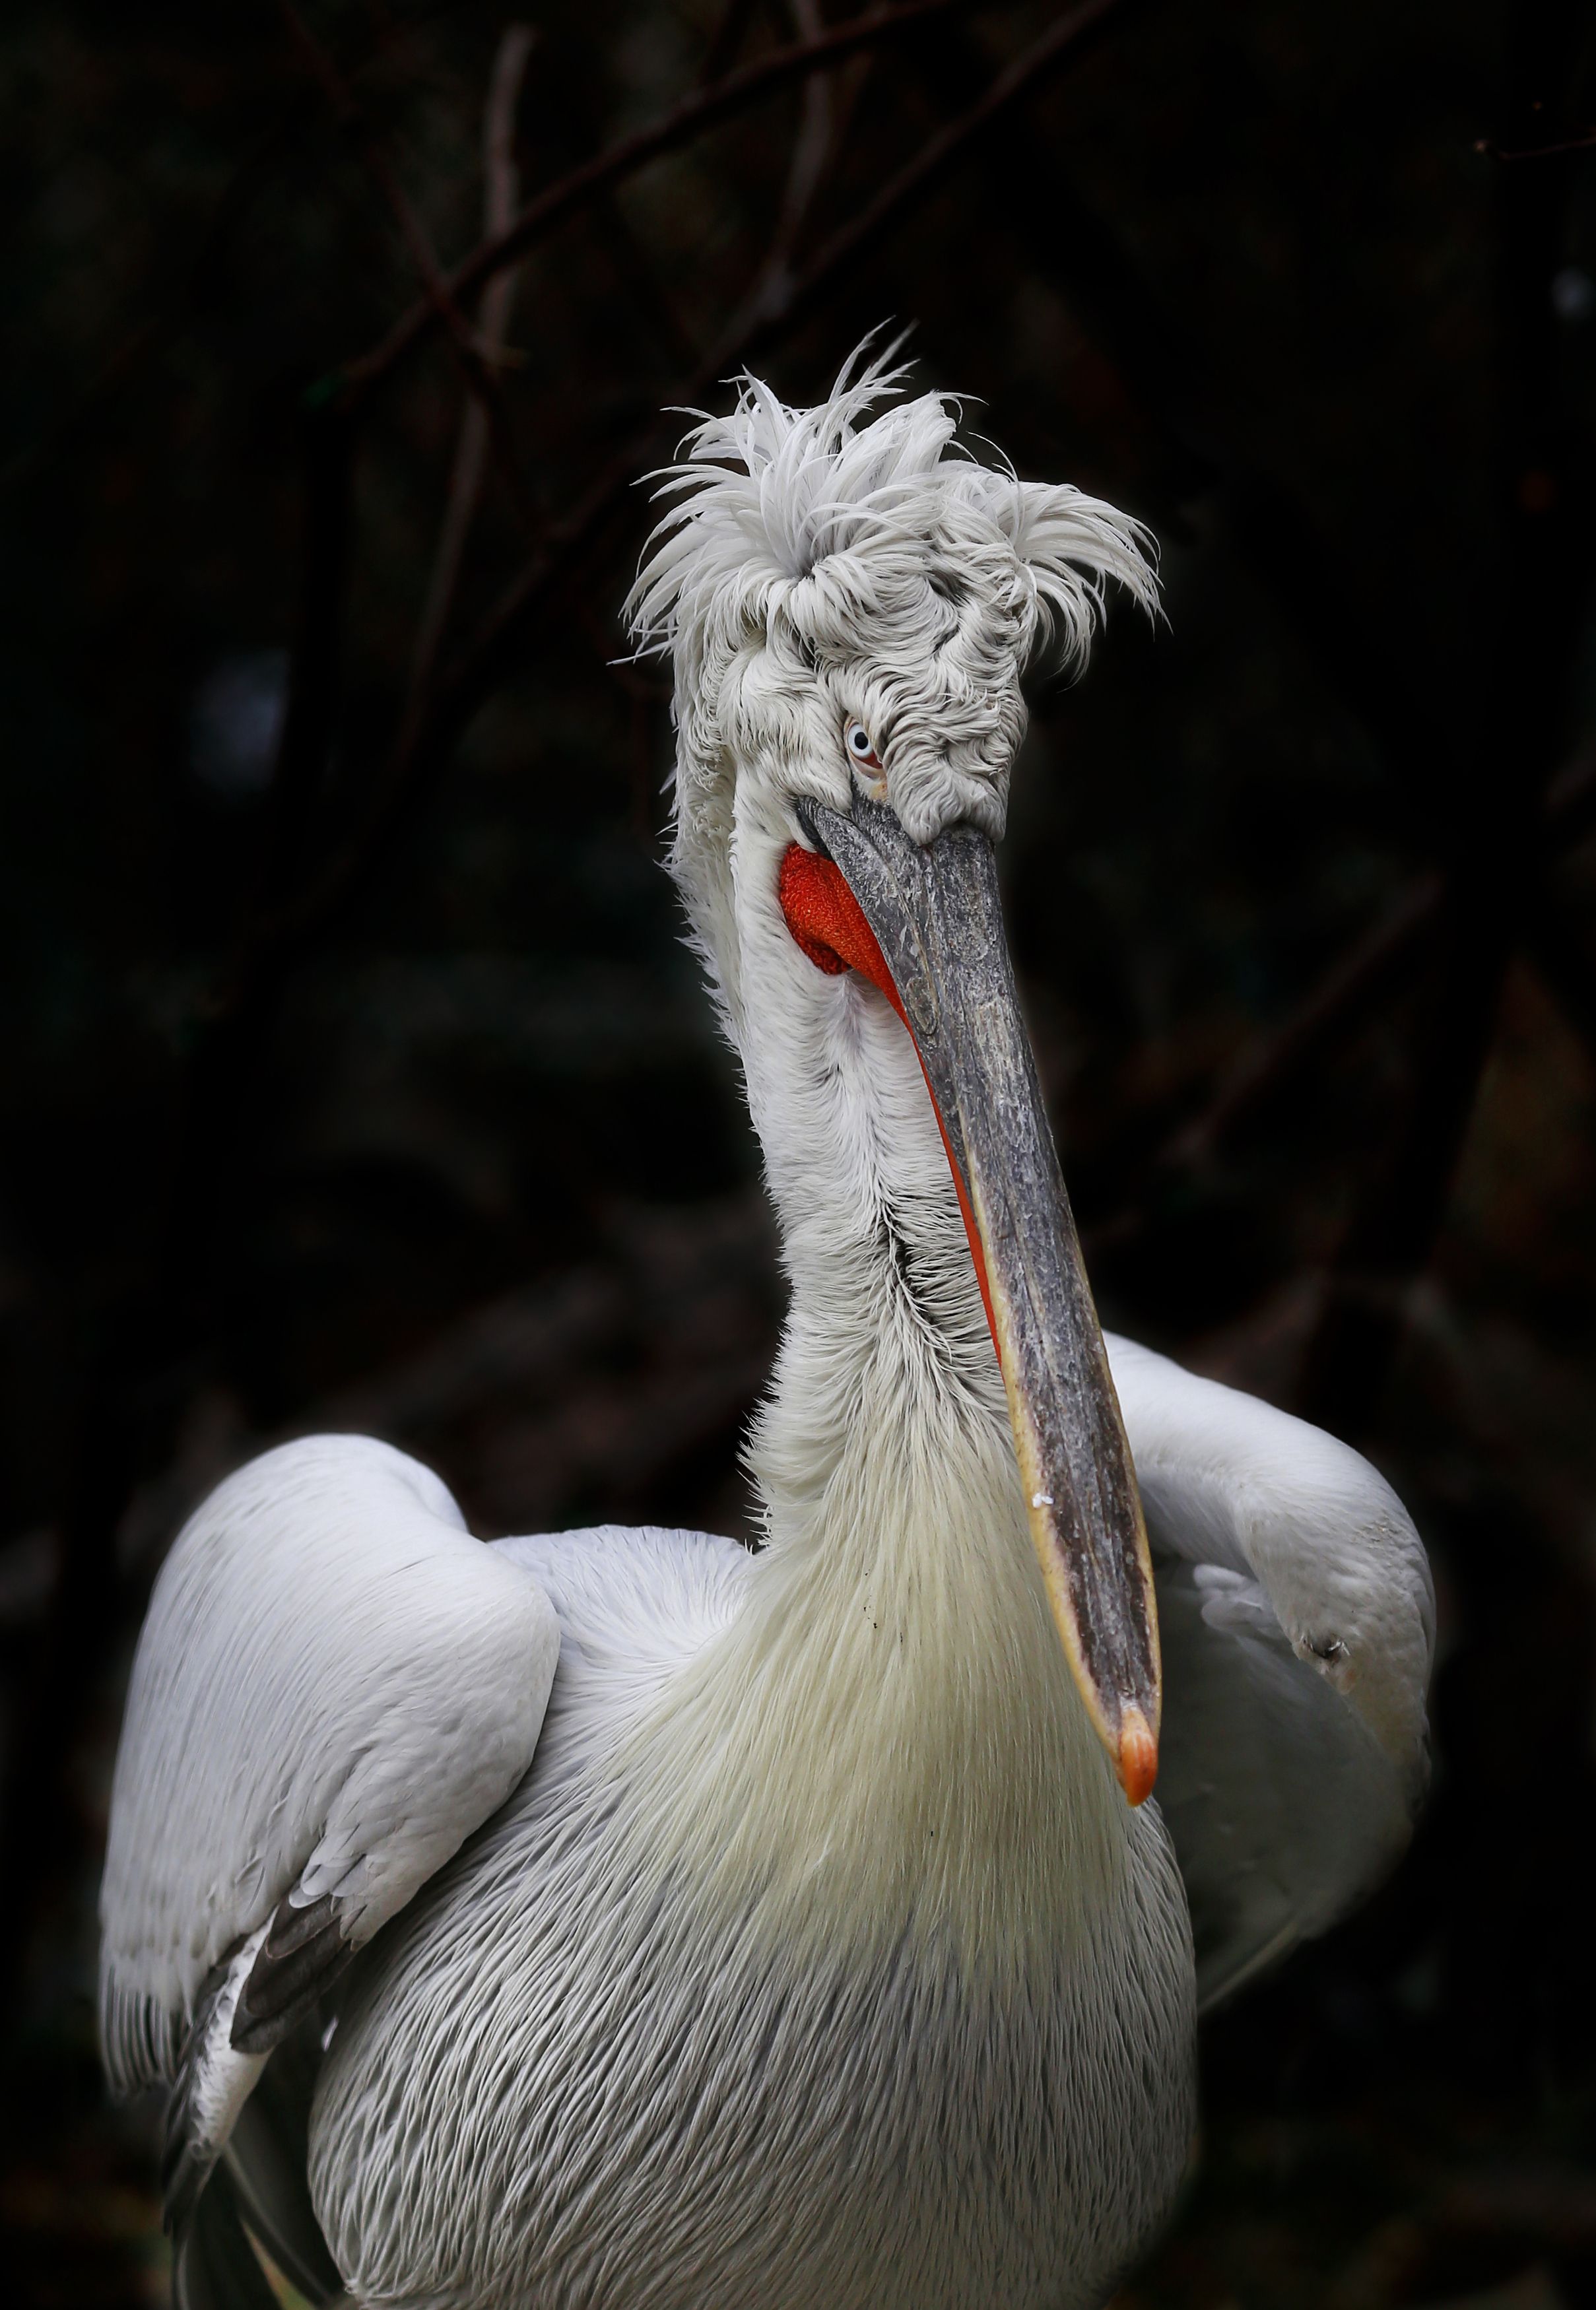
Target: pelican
(624,1920)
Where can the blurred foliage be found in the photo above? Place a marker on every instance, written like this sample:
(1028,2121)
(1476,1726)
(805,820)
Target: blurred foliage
(460,1160)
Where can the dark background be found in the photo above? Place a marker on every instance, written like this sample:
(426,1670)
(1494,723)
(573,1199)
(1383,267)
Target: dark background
(354,1074)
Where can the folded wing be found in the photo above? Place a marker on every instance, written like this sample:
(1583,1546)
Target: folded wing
(1297,1620)
(335,1686)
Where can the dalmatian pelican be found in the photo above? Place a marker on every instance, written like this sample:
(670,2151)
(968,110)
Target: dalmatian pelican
(623,1920)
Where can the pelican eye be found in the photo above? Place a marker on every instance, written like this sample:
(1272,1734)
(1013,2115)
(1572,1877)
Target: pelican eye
(856,738)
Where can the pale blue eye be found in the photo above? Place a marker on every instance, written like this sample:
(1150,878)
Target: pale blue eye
(857,741)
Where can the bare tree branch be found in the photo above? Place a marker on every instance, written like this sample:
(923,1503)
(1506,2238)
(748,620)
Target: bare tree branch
(1064,39)
(812,147)
(441,294)
(1339,1002)
(806,166)
(726,41)
(702,110)
(501,190)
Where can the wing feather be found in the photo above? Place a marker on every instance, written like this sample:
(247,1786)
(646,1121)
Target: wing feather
(305,1951)
(214,2265)
(1297,1616)
(335,1684)
(266,2161)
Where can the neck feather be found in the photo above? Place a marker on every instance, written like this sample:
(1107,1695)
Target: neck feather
(887,1737)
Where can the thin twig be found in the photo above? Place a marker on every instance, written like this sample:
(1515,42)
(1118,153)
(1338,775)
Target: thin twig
(500,191)
(812,148)
(850,242)
(1578,143)
(806,165)
(441,295)
(641,287)
(1340,1000)
(726,41)
(703,109)
(1336,1003)
(820,135)
(1342,997)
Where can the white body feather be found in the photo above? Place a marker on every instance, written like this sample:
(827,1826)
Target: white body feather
(817,1960)
(335,1684)
(840,2070)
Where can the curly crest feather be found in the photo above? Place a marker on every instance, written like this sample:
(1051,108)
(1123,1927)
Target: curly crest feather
(766,494)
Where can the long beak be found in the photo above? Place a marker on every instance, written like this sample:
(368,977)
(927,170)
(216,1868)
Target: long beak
(937,921)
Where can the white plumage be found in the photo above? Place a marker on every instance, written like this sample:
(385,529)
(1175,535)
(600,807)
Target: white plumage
(790,1941)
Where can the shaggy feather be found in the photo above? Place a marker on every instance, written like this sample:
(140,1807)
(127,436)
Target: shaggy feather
(820,562)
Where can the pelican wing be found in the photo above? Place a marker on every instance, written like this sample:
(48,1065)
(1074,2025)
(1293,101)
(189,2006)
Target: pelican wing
(1297,1623)
(334,1685)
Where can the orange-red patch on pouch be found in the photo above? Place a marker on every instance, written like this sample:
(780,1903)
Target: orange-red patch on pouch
(828,924)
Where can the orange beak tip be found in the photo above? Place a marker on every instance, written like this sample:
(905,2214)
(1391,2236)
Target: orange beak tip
(1138,1761)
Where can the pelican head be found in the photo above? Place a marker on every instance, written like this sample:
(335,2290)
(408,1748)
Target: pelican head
(850,601)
